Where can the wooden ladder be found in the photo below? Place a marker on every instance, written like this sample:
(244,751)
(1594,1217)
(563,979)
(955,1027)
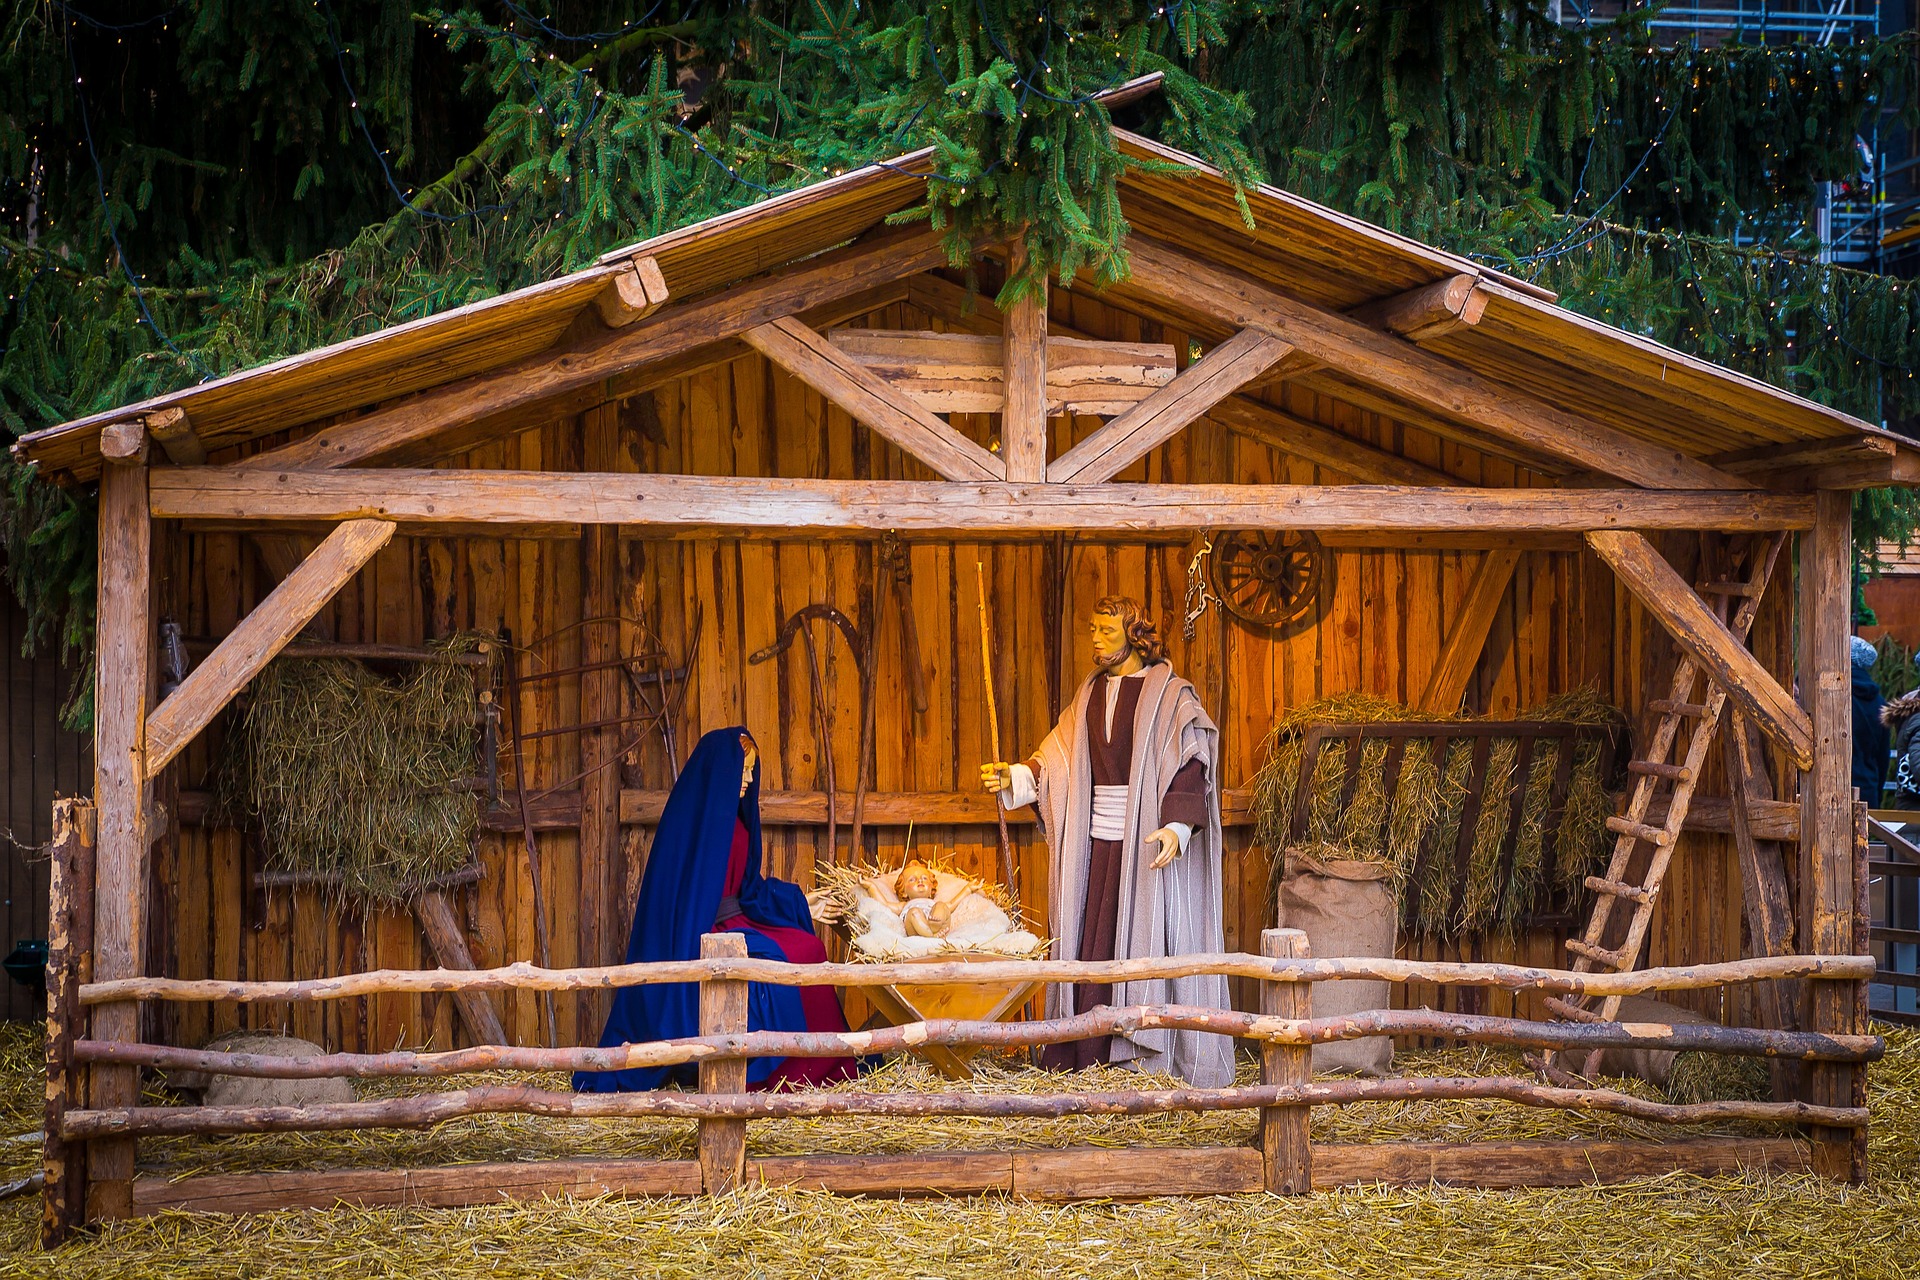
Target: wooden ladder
(1651,775)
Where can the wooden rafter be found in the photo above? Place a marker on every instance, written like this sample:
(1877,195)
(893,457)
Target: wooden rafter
(744,502)
(173,431)
(260,635)
(1666,595)
(672,333)
(1159,417)
(1391,362)
(809,357)
(634,293)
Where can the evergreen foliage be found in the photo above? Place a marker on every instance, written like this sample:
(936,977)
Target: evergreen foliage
(191,189)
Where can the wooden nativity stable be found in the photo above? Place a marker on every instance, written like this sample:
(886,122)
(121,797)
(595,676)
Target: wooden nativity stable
(798,405)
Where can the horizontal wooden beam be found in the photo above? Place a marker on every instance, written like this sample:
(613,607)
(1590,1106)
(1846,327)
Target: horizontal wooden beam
(1403,369)
(673,332)
(1693,626)
(273,623)
(728,503)
(633,294)
(893,413)
(1431,311)
(1064,1175)
(965,373)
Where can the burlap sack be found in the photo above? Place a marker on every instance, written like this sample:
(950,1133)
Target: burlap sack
(1346,909)
(250,1091)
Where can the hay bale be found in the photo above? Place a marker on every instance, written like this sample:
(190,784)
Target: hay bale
(247,1091)
(357,778)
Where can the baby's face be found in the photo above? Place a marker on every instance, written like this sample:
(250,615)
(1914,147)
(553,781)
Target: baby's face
(915,882)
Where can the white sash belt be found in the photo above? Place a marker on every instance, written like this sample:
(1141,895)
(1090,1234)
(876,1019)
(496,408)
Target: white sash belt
(1109,813)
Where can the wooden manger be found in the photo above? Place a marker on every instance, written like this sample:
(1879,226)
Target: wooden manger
(1521,502)
(970,1000)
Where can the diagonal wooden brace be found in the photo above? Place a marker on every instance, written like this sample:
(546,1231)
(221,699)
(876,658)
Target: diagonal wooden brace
(1693,626)
(260,635)
(808,356)
(1113,448)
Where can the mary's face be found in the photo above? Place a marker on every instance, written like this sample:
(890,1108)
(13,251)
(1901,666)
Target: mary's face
(748,765)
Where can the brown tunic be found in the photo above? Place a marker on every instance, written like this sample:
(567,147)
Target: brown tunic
(1185,800)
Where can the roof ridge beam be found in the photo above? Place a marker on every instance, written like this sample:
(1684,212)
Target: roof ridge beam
(1398,366)
(666,334)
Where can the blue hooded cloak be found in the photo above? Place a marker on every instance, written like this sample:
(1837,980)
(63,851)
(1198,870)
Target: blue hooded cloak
(679,897)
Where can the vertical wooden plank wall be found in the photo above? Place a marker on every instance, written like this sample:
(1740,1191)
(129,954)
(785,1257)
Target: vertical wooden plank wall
(1562,624)
(39,760)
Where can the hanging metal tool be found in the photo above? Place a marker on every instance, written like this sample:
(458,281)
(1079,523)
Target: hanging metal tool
(796,625)
(898,569)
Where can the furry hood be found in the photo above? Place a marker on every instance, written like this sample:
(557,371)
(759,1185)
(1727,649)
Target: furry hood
(1896,712)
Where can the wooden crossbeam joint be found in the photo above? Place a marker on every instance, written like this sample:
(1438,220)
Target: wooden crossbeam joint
(124,442)
(175,434)
(1431,311)
(635,292)
(808,356)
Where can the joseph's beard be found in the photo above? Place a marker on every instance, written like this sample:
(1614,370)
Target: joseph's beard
(1106,662)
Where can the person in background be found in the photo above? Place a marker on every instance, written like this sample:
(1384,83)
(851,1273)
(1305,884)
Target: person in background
(1871,730)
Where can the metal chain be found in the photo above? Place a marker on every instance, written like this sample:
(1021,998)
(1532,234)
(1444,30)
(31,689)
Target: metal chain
(1199,595)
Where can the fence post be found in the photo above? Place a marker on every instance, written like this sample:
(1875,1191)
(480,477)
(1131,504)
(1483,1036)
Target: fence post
(723,1009)
(69,884)
(1286,1150)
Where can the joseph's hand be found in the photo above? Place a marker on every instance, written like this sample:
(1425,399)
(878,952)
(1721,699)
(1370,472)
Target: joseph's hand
(1169,844)
(996,777)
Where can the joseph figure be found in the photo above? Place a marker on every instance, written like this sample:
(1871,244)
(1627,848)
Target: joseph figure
(1124,789)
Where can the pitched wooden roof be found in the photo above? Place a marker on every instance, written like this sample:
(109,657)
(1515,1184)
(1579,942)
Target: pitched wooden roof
(1522,340)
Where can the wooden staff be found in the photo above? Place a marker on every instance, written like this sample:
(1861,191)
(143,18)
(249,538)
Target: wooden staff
(993,729)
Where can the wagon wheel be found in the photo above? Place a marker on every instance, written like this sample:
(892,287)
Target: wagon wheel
(1271,578)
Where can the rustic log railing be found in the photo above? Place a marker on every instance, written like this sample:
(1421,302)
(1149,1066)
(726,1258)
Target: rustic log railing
(1283,1160)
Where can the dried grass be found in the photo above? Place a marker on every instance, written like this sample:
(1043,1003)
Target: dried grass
(1416,830)
(358,777)
(1725,1228)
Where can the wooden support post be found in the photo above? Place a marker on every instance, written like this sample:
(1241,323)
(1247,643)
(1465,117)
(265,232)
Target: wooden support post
(123,661)
(1826,804)
(723,1008)
(602,884)
(1467,638)
(70,899)
(449,946)
(1286,1149)
(1023,422)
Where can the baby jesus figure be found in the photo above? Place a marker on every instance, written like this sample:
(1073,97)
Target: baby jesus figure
(914,896)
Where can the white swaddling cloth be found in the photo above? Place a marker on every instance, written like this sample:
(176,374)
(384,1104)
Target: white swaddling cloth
(924,904)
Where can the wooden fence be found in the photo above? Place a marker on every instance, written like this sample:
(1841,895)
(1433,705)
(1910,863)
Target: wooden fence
(1284,1161)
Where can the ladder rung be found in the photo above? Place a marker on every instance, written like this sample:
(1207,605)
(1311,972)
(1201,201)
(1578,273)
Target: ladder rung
(1614,888)
(1668,707)
(1656,769)
(1599,955)
(1570,1011)
(1729,588)
(1640,831)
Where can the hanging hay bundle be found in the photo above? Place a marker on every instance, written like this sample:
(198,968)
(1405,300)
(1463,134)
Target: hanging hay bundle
(364,782)
(1417,829)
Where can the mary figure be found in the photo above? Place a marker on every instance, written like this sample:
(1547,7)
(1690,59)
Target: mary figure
(703,876)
